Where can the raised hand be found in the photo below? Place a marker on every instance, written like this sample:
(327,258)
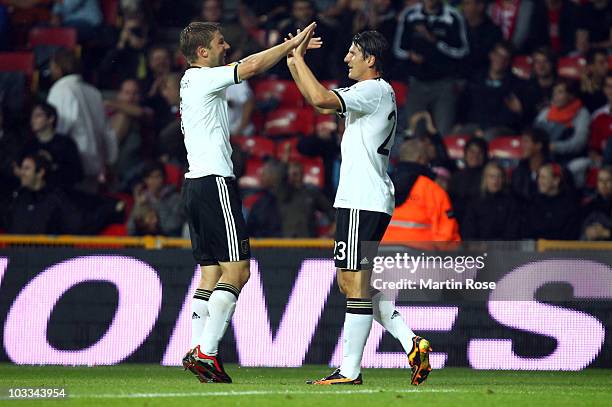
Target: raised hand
(301,49)
(313,43)
(301,35)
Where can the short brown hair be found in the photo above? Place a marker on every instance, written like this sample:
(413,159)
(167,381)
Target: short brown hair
(197,34)
(66,61)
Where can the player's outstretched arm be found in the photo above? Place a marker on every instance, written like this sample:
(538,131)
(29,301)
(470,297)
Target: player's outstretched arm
(314,92)
(313,43)
(264,60)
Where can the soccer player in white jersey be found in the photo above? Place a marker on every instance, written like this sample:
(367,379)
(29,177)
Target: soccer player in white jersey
(364,200)
(217,229)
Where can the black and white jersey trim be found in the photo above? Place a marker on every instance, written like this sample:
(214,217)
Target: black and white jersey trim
(353,240)
(236,77)
(343,109)
(228,217)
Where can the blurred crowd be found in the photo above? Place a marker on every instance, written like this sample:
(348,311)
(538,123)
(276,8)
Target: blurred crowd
(510,101)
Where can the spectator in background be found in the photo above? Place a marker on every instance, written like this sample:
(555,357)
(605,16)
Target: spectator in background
(11,145)
(491,104)
(80,111)
(159,65)
(592,79)
(482,35)
(600,132)
(128,58)
(534,143)
(601,122)
(495,213)
(319,60)
(299,204)
(264,219)
(538,90)
(36,208)
(357,16)
(515,18)
(431,38)
(554,25)
(553,213)
(465,183)
(242,44)
(421,125)
(423,211)
(594,26)
(66,168)
(127,117)
(83,15)
(382,17)
(325,144)
(144,221)
(597,223)
(241,103)
(264,13)
(566,122)
(171,145)
(155,193)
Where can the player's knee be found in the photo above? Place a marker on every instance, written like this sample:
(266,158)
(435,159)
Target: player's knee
(342,283)
(245,274)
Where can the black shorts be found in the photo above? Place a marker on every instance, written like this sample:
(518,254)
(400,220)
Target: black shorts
(353,228)
(216,225)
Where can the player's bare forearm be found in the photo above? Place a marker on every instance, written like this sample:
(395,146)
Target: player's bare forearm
(315,93)
(295,76)
(262,61)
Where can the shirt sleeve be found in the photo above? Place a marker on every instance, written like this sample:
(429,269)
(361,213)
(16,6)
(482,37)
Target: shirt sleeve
(218,78)
(362,97)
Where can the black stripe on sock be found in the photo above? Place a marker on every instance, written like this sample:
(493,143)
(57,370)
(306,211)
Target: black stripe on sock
(359,306)
(228,287)
(202,294)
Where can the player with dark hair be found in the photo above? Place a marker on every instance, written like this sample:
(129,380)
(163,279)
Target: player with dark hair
(216,226)
(364,200)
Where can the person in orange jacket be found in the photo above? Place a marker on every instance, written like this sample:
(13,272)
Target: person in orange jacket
(423,211)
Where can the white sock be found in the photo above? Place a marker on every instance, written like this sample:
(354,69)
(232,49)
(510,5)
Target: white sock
(357,325)
(221,306)
(199,314)
(386,315)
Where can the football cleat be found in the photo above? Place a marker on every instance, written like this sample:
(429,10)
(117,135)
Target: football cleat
(418,358)
(189,364)
(208,369)
(336,378)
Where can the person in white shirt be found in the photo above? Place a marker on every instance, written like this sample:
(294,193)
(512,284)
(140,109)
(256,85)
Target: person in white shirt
(364,200)
(216,226)
(81,115)
(241,105)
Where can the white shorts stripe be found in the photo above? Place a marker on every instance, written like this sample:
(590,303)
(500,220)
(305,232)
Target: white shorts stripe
(234,235)
(232,221)
(356,240)
(230,227)
(349,242)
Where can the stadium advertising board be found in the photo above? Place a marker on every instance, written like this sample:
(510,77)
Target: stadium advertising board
(548,311)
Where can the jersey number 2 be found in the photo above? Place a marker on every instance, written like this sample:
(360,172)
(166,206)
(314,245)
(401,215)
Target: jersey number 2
(384,148)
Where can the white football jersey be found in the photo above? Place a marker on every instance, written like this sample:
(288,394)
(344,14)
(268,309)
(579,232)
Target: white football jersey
(205,121)
(371,117)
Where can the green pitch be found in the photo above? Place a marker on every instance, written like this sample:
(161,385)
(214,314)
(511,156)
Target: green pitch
(151,385)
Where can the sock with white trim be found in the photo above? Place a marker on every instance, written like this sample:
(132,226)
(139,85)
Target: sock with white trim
(199,314)
(386,315)
(357,325)
(221,306)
